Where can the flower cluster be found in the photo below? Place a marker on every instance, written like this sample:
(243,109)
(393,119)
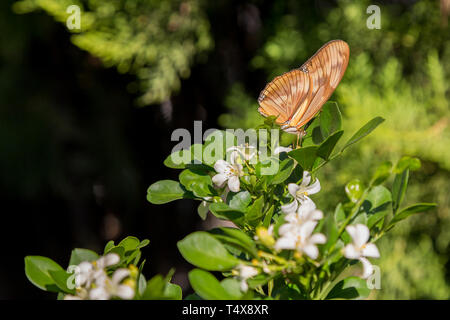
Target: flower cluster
(93,282)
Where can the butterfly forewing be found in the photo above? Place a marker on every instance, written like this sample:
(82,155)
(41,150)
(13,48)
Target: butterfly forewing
(296,96)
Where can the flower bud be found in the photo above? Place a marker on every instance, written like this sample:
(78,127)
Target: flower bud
(265,237)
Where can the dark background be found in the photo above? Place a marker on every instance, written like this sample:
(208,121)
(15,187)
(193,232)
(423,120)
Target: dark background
(78,155)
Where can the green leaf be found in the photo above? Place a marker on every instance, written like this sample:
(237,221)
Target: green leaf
(406,212)
(255,211)
(382,173)
(326,148)
(178,159)
(60,278)
(172,292)
(376,205)
(37,270)
(330,119)
(155,288)
(235,237)
(354,190)
(364,131)
(203,250)
(207,286)
(339,214)
(165,191)
(108,246)
(223,211)
(406,162)
(79,255)
(233,287)
(353,288)
(305,156)
(203,209)
(239,201)
(399,189)
(198,181)
(130,243)
(143,243)
(285,170)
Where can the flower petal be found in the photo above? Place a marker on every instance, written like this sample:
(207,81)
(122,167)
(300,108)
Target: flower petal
(220,179)
(285,243)
(314,188)
(293,188)
(221,166)
(318,238)
(306,179)
(125,292)
(234,184)
(307,229)
(119,275)
(111,259)
(367,268)
(371,250)
(362,235)
(99,293)
(311,251)
(278,150)
(351,230)
(290,207)
(350,252)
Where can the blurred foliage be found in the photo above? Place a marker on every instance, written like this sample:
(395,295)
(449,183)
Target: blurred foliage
(399,73)
(157,40)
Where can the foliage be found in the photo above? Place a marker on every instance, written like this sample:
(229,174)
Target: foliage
(254,259)
(398,72)
(155,40)
(48,275)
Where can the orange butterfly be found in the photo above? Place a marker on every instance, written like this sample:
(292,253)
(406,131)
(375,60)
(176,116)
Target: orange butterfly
(296,96)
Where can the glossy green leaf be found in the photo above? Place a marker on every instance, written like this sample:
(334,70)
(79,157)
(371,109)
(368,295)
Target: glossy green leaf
(198,181)
(203,209)
(285,169)
(223,211)
(330,119)
(79,255)
(353,288)
(235,237)
(207,286)
(408,211)
(305,156)
(255,211)
(37,270)
(399,189)
(165,191)
(203,250)
(406,162)
(61,278)
(327,147)
(239,201)
(364,131)
(377,205)
(172,292)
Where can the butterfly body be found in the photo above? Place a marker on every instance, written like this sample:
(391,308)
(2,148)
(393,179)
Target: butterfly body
(297,96)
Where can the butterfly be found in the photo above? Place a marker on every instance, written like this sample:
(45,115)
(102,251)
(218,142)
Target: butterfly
(297,96)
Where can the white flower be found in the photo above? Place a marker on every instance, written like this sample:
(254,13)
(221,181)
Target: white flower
(228,172)
(107,287)
(359,248)
(280,149)
(300,238)
(88,272)
(295,220)
(247,152)
(245,272)
(301,192)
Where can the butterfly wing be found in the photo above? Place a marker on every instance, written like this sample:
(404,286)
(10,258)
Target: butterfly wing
(296,96)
